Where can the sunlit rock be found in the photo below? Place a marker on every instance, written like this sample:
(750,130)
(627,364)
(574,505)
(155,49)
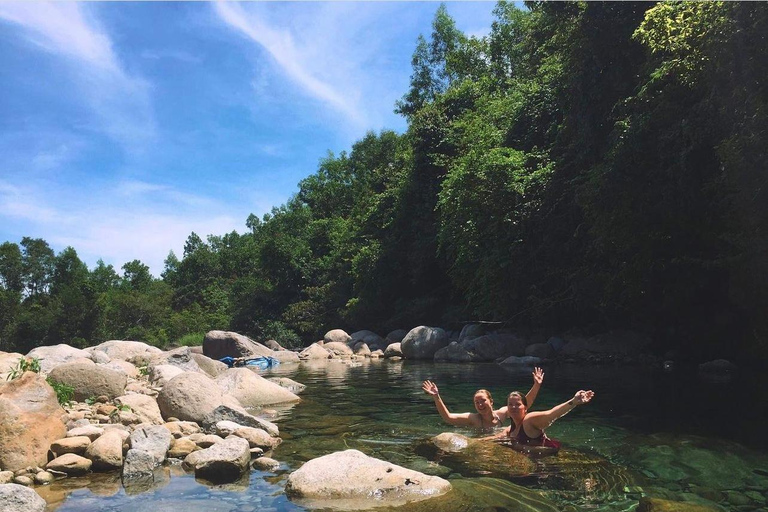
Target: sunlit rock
(30,420)
(351,480)
(422,342)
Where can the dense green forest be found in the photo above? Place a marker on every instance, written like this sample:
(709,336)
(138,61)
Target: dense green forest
(584,167)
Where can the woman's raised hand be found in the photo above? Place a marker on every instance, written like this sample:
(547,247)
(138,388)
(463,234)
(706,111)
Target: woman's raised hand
(538,375)
(430,388)
(582,397)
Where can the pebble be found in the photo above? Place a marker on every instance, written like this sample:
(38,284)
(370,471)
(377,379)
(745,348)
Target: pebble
(23,480)
(44,477)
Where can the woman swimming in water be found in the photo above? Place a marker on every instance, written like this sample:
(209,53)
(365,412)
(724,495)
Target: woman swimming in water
(485,417)
(527,430)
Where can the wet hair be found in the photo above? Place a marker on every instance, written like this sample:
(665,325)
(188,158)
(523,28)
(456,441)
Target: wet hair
(520,396)
(485,392)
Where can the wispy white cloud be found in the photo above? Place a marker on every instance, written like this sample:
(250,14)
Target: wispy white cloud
(120,101)
(291,56)
(122,222)
(166,53)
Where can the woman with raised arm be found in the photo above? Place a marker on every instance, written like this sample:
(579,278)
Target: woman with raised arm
(527,430)
(485,418)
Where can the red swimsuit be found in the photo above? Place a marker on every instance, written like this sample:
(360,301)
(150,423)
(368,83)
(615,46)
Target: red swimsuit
(523,439)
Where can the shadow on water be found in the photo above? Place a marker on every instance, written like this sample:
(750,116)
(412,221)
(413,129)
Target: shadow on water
(647,432)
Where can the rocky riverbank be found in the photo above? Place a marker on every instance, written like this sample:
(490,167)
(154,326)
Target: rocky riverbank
(135,408)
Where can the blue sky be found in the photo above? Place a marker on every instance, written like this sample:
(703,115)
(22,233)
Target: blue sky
(126,126)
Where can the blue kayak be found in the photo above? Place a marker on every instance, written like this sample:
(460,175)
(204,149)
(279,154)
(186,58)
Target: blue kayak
(260,362)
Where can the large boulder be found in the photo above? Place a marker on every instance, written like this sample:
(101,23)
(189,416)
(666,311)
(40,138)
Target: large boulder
(472,331)
(181,357)
(143,406)
(160,374)
(52,356)
(106,452)
(225,461)
(125,350)
(152,439)
(337,335)
(339,349)
(394,350)
(370,338)
(455,353)
(210,366)
(17,498)
(241,416)
(8,361)
(189,396)
(253,390)
(90,380)
(315,351)
(422,342)
(121,366)
(30,420)
(71,464)
(490,347)
(353,480)
(219,344)
(395,336)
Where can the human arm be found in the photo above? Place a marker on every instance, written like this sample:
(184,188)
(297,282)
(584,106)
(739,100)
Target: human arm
(538,378)
(543,419)
(458,420)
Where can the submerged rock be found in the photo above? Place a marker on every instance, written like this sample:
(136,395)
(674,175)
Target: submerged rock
(658,505)
(351,480)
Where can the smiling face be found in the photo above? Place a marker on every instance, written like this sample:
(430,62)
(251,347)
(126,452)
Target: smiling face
(516,406)
(483,401)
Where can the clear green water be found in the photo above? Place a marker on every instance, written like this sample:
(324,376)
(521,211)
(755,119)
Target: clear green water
(667,435)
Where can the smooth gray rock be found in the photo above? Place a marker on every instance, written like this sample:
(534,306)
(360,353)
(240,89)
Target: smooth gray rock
(393,350)
(422,342)
(490,347)
(370,338)
(455,353)
(225,412)
(219,344)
